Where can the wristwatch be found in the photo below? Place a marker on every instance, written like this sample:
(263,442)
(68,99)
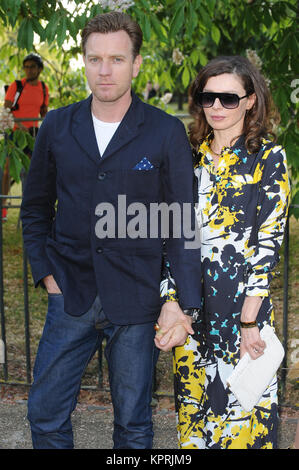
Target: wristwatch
(193,313)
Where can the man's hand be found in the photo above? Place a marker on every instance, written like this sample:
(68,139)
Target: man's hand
(50,285)
(174,327)
(176,336)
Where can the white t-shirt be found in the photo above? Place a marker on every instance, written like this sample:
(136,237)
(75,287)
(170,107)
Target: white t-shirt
(104,132)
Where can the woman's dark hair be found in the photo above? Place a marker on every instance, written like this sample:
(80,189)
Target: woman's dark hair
(259,120)
(111,23)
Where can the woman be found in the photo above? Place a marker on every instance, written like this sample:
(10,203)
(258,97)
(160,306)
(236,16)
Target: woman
(243,196)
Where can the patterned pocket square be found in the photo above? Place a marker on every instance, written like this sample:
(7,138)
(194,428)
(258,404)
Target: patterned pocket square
(144,164)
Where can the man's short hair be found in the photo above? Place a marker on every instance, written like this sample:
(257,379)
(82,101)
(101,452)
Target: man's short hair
(110,23)
(35,58)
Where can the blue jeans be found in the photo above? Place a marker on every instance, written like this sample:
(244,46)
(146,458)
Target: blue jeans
(67,345)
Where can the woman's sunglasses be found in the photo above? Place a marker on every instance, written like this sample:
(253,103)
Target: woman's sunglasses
(228,100)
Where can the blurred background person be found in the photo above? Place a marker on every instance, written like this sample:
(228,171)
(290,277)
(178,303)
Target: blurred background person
(27,98)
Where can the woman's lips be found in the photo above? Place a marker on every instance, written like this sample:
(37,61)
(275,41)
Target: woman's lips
(217,118)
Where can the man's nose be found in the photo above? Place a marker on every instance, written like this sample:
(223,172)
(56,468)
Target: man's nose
(104,68)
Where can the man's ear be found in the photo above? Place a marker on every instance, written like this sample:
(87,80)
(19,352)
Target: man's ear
(136,65)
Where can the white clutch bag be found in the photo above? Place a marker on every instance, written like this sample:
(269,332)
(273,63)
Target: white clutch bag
(250,378)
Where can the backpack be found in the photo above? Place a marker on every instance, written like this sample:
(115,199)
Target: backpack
(20,87)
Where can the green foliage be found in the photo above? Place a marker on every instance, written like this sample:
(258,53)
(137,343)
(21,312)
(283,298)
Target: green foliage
(15,145)
(180,36)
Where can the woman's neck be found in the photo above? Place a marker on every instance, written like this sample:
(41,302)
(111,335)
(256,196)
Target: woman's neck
(220,140)
(225,138)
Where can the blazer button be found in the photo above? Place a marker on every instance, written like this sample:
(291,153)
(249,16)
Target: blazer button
(100,250)
(102,176)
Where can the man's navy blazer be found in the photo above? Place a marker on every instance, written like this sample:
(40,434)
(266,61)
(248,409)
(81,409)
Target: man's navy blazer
(67,180)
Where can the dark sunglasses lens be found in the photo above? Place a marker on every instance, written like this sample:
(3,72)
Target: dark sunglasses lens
(205,100)
(229,100)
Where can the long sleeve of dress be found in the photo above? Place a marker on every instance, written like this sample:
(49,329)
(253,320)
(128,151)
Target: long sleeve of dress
(168,290)
(271,218)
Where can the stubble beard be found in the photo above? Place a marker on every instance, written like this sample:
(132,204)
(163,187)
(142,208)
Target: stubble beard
(108,98)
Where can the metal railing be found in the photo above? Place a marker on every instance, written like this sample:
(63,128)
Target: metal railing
(25,283)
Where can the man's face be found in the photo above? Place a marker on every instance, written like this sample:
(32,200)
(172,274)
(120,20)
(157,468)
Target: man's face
(32,70)
(109,65)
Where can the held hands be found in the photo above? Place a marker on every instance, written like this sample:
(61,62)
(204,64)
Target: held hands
(174,327)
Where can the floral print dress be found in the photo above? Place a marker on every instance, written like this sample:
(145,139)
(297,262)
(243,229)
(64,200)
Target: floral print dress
(242,209)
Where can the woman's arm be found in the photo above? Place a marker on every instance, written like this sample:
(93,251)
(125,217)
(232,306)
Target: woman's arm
(272,210)
(272,213)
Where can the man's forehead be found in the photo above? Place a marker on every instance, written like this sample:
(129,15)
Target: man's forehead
(115,43)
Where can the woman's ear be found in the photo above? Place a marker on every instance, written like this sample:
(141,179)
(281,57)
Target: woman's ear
(251,100)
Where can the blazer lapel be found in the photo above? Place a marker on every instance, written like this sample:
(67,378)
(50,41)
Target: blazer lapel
(128,128)
(83,131)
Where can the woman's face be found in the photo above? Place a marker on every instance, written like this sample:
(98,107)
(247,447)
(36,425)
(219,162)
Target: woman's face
(223,119)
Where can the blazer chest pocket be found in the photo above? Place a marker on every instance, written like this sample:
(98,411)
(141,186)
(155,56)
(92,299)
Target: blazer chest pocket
(142,185)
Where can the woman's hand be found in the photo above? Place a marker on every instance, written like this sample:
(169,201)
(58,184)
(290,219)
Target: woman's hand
(174,327)
(251,342)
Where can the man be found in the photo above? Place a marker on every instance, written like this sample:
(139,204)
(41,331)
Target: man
(87,154)
(27,98)
(32,96)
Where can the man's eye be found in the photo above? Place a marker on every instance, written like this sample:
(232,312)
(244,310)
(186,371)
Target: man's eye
(93,59)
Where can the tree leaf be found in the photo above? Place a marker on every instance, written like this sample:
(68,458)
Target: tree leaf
(194,56)
(295,201)
(203,58)
(215,33)
(72,28)
(186,77)
(211,6)
(145,4)
(37,27)
(19,138)
(61,30)
(33,6)
(3,153)
(15,165)
(12,10)
(204,18)
(25,34)
(157,27)
(192,18)
(147,28)
(50,30)
(178,20)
